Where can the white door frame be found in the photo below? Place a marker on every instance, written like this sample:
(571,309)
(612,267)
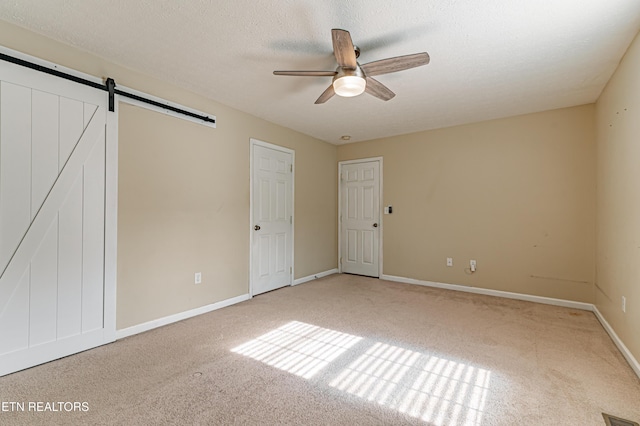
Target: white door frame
(111,223)
(254,142)
(380,239)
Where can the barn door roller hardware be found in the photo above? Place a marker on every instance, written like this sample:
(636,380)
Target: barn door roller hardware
(109,86)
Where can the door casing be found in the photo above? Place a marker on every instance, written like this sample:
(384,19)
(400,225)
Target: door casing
(381,225)
(254,142)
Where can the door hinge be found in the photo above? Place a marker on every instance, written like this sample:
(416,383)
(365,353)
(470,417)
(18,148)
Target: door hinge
(341,261)
(291,220)
(290,269)
(291,168)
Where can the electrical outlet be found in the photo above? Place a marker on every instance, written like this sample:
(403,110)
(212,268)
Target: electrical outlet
(449,261)
(198,277)
(624,304)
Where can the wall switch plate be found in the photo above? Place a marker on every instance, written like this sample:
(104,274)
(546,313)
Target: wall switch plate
(472,265)
(388,209)
(449,261)
(198,277)
(624,304)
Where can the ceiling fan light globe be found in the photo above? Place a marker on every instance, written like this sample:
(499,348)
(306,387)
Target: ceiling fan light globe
(349,85)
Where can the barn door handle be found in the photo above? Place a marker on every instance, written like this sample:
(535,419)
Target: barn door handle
(257,227)
(375,225)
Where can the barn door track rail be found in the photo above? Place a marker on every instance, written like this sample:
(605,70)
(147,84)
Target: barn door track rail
(109,86)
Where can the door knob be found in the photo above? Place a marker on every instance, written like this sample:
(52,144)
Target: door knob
(375,225)
(257,227)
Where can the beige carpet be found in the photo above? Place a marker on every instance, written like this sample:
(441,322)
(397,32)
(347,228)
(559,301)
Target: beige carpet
(345,350)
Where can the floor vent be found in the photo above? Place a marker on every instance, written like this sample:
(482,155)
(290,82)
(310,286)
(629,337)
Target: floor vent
(617,421)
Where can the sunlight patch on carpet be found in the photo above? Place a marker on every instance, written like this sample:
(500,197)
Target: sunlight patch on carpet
(436,390)
(298,348)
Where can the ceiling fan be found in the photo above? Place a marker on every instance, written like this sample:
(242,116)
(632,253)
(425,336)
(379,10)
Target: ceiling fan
(351,78)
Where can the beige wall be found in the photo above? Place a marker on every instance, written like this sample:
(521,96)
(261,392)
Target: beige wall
(618,259)
(184,194)
(516,194)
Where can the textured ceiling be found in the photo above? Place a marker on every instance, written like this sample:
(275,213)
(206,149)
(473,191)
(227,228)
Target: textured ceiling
(489,59)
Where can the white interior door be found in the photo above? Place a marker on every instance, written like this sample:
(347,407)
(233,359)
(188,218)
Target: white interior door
(52,218)
(272,217)
(360,218)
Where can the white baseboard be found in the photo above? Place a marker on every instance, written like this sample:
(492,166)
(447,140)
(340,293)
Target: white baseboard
(496,293)
(315,276)
(150,325)
(635,365)
(140,328)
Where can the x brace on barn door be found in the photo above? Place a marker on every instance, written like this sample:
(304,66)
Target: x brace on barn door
(109,86)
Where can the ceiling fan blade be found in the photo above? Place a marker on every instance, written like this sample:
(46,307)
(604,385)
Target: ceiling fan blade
(326,95)
(379,90)
(397,63)
(343,49)
(307,73)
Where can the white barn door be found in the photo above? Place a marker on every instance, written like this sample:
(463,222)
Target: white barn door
(52,218)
